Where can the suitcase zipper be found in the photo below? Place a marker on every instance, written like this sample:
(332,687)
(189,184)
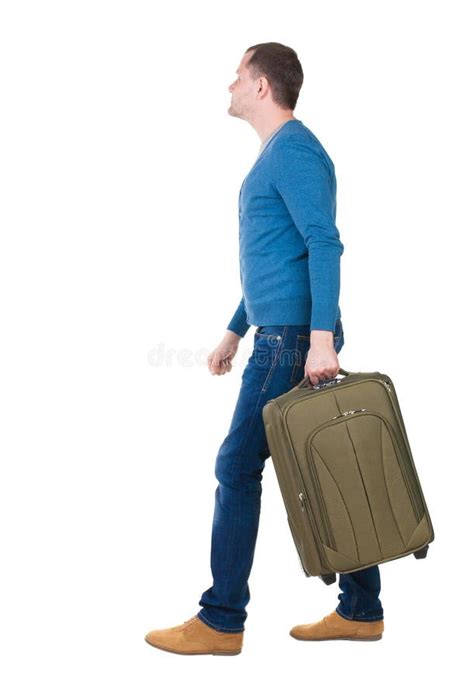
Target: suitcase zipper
(343,414)
(312,524)
(301,498)
(327,528)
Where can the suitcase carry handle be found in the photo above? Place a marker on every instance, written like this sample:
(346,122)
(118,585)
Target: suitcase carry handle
(306,383)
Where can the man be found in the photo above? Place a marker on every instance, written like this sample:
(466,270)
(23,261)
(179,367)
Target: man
(290,272)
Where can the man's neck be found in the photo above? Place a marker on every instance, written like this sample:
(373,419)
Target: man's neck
(266,129)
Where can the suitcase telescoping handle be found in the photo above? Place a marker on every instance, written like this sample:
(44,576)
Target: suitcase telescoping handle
(306,383)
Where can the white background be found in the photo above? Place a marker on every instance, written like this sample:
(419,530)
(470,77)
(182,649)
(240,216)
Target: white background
(120,175)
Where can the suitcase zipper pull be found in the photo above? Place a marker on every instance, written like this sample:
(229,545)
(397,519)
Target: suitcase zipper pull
(301,498)
(343,414)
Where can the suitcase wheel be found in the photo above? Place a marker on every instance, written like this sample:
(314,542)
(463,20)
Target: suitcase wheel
(328,578)
(421,553)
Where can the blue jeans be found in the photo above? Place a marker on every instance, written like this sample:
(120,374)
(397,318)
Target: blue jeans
(275,366)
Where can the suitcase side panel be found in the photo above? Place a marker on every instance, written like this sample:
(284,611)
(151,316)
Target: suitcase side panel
(292,490)
(410,463)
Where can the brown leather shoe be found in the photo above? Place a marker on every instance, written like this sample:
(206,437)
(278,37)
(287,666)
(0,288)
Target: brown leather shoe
(195,637)
(335,627)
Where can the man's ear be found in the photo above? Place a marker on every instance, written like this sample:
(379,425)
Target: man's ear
(262,85)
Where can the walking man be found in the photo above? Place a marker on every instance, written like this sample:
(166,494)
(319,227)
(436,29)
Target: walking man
(290,253)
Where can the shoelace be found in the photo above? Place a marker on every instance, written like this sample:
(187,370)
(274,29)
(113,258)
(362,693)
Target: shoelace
(191,620)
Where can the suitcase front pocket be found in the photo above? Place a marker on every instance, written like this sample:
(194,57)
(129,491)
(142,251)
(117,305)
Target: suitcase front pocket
(367,505)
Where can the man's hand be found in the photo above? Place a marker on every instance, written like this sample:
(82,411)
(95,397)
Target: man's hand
(219,361)
(322,362)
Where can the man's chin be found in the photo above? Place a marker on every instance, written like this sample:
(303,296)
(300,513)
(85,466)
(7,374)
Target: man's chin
(232,112)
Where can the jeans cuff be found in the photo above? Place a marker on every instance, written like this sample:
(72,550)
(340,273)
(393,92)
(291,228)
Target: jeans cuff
(359,620)
(202,617)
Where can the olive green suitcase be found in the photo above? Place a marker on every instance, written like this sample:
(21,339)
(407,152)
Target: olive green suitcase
(346,474)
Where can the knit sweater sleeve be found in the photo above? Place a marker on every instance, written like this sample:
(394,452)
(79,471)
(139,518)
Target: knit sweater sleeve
(238,323)
(307,185)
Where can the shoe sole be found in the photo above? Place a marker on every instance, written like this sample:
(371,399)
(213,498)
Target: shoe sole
(217,652)
(323,639)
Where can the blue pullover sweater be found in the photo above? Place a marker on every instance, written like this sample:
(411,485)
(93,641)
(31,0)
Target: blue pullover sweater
(289,246)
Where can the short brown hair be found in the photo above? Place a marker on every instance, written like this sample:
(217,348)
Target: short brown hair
(280,65)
